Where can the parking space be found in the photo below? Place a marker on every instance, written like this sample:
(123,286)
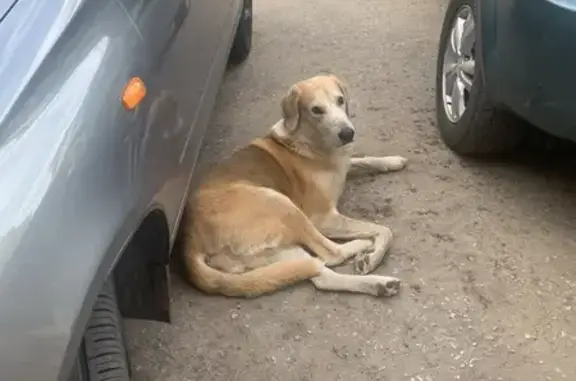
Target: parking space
(487,251)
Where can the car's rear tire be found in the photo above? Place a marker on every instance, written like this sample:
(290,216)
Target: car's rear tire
(482,128)
(105,353)
(242,44)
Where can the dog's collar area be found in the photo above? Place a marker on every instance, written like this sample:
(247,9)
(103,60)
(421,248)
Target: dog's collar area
(291,145)
(284,141)
(304,150)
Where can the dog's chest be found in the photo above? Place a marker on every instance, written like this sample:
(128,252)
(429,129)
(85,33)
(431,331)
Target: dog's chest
(330,183)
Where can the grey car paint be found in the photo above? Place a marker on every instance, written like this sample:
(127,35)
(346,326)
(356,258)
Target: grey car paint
(5,6)
(78,172)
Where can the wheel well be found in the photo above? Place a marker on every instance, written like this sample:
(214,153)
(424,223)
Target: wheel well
(141,274)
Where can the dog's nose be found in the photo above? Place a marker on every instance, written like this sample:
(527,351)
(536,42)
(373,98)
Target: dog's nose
(346,135)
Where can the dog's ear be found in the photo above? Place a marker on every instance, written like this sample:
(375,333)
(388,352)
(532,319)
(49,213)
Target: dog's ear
(343,89)
(291,108)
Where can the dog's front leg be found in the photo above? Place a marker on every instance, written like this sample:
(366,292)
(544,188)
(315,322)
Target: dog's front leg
(338,226)
(370,164)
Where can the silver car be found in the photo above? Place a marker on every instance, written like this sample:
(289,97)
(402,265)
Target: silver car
(103,106)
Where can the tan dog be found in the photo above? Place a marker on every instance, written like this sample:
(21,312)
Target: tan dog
(257,215)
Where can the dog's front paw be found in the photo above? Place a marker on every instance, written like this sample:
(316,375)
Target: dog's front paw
(350,250)
(388,286)
(394,163)
(363,264)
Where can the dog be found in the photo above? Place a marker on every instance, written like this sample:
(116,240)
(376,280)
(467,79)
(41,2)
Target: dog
(266,217)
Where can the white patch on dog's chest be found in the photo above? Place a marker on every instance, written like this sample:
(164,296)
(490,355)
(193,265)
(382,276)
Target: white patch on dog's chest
(331,183)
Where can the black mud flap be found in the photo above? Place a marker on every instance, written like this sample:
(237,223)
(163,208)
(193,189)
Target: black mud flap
(143,289)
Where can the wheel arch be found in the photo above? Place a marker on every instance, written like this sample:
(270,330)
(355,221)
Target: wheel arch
(141,272)
(486,37)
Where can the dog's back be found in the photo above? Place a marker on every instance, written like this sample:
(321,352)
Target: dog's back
(250,165)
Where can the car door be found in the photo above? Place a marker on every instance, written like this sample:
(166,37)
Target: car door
(185,53)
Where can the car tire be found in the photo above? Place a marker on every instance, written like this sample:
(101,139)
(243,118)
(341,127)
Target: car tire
(243,39)
(105,354)
(483,128)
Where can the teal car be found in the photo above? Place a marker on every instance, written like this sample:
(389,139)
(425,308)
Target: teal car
(503,65)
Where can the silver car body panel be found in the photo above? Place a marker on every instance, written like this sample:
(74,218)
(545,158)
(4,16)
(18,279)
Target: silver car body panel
(78,172)
(5,7)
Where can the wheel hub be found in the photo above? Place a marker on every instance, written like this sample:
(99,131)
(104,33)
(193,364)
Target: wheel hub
(459,64)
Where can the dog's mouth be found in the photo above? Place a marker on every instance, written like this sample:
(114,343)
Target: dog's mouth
(344,144)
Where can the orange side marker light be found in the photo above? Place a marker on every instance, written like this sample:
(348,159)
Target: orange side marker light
(134,92)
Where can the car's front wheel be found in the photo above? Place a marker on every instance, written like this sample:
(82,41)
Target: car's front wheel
(104,354)
(243,40)
(469,123)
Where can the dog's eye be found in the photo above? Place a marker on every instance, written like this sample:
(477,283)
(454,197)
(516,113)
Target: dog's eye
(317,110)
(340,100)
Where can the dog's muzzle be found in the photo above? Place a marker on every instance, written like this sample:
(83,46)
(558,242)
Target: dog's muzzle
(346,135)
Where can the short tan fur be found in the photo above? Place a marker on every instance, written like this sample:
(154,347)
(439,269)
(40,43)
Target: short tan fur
(266,217)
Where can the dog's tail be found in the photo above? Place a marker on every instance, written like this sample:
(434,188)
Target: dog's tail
(252,283)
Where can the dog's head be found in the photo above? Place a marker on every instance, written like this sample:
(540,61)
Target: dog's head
(315,112)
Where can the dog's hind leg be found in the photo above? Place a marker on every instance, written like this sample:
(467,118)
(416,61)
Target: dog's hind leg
(299,230)
(329,280)
(377,285)
(370,164)
(337,226)
(332,253)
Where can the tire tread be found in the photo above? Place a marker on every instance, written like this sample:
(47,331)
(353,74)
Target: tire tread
(103,342)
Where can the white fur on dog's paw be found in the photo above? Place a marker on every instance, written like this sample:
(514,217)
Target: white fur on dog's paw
(357,247)
(381,285)
(388,286)
(364,263)
(352,249)
(395,163)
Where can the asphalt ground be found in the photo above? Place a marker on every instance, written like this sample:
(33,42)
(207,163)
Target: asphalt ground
(486,250)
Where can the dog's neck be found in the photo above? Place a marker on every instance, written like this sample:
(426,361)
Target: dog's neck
(302,147)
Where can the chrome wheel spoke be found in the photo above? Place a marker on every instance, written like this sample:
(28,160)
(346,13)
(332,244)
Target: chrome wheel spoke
(459,66)
(467,76)
(456,39)
(450,78)
(450,57)
(468,37)
(458,100)
(468,67)
(466,81)
(451,52)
